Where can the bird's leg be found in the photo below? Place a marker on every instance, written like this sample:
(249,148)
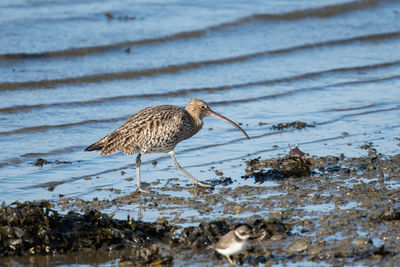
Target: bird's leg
(139,213)
(138,161)
(230,260)
(194,180)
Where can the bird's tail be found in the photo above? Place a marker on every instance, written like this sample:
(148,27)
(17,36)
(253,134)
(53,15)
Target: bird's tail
(95,146)
(110,144)
(98,145)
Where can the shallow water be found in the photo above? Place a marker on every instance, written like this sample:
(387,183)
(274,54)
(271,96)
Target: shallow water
(69,75)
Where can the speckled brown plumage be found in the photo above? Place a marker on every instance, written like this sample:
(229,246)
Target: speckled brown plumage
(153,129)
(157,129)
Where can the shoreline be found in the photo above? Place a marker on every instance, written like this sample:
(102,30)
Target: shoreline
(332,210)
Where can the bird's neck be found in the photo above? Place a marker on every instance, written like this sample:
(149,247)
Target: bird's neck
(239,238)
(196,119)
(197,125)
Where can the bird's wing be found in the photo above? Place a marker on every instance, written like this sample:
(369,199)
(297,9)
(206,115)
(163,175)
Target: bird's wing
(147,116)
(150,127)
(225,240)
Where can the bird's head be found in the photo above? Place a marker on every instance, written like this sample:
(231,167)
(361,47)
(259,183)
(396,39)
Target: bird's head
(243,232)
(199,109)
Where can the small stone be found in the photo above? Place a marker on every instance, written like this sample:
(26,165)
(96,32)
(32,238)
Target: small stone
(276,212)
(362,241)
(276,237)
(315,250)
(297,246)
(311,195)
(109,15)
(64,200)
(238,209)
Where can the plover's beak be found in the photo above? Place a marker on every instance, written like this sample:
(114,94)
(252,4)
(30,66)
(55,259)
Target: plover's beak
(219,116)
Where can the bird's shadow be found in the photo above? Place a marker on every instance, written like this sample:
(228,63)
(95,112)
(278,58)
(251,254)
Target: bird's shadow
(224,181)
(265,176)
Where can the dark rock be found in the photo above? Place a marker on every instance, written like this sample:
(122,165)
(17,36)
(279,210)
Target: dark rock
(298,246)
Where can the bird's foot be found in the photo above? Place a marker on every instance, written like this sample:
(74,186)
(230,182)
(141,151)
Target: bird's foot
(233,262)
(203,185)
(141,190)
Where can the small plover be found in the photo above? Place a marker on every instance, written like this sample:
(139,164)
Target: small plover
(233,243)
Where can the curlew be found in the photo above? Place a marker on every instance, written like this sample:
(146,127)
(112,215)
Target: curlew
(158,129)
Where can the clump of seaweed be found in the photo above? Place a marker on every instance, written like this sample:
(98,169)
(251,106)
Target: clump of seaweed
(280,168)
(35,228)
(295,125)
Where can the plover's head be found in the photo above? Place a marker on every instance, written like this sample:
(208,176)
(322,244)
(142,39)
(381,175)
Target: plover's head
(242,232)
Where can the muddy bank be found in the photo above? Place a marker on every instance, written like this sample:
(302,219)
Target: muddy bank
(335,209)
(343,210)
(37,229)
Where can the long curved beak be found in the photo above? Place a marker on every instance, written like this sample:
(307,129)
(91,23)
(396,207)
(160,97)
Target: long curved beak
(219,116)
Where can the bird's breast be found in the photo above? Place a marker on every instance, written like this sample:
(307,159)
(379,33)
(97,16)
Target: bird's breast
(234,248)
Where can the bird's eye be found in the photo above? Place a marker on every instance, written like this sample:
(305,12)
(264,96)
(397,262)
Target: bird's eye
(203,107)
